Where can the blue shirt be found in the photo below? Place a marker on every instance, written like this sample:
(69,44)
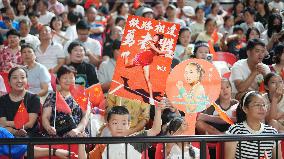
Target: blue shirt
(17,151)
(97,36)
(15,25)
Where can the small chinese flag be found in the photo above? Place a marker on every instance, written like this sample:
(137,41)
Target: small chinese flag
(95,94)
(214,36)
(78,93)
(211,49)
(61,105)
(21,117)
(6,81)
(261,88)
(282,74)
(136,4)
(223,114)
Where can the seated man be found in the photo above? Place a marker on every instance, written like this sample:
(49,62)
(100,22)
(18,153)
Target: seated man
(247,74)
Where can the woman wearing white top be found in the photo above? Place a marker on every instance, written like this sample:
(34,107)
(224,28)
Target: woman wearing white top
(58,34)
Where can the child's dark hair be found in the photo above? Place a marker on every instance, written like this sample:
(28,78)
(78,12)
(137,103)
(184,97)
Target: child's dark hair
(252,43)
(245,101)
(268,77)
(197,45)
(118,110)
(278,51)
(82,25)
(173,126)
(15,69)
(73,17)
(209,20)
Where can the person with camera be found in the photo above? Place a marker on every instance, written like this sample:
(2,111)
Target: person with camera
(59,123)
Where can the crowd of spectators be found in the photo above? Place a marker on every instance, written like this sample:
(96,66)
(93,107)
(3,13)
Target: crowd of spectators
(78,44)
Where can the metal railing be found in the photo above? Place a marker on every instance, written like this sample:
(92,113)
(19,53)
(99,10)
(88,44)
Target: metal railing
(202,139)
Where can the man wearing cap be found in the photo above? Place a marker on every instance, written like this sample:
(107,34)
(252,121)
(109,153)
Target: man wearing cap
(171,13)
(148,13)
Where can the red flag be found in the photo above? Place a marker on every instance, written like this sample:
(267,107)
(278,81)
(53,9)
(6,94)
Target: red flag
(136,4)
(6,81)
(261,88)
(78,93)
(223,114)
(88,3)
(61,105)
(214,36)
(21,117)
(211,49)
(95,94)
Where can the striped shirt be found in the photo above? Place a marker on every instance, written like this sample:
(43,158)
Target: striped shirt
(249,149)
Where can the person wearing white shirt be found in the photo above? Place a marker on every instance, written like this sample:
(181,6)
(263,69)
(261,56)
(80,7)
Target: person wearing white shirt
(45,16)
(73,6)
(171,12)
(55,7)
(49,53)
(93,47)
(277,4)
(71,33)
(25,28)
(247,74)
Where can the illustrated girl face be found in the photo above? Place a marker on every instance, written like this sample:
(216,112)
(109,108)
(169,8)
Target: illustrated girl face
(191,74)
(156,38)
(274,83)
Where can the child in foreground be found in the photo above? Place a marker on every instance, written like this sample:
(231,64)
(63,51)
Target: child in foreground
(118,123)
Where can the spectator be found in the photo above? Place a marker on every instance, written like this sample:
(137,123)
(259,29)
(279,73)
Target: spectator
(122,10)
(21,11)
(250,116)
(236,41)
(176,127)
(278,66)
(95,28)
(120,21)
(214,14)
(39,79)
(35,25)
(183,48)
(148,13)
(198,25)
(106,69)
(18,151)
(73,19)
(10,56)
(195,3)
(184,12)
(31,6)
(252,33)
(85,72)
(92,46)
(25,37)
(207,7)
(44,15)
(55,7)
(118,124)
(238,9)
(49,53)
(276,4)
(248,73)
(10,103)
(57,30)
(209,122)
(249,4)
(210,27)
(72,6)
(262,12)
(227,28)
(171,13)
(115,34)
(273,34)
(274,100)
(249,16)
(159,9)
(8,22)
(3,90)
(78,118)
